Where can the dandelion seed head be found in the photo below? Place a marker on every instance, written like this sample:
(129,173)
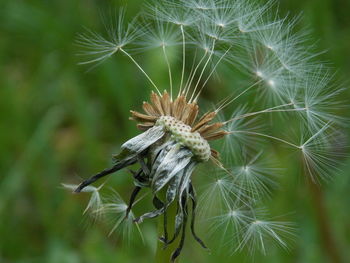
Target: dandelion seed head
(278,70)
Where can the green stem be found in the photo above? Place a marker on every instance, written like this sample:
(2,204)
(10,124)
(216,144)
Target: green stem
(164,255)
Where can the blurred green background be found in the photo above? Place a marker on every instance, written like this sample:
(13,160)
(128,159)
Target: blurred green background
(58,122)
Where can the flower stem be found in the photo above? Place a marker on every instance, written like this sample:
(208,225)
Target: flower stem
(163,254)
(328,240)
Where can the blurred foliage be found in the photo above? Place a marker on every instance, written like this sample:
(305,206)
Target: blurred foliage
(57,121)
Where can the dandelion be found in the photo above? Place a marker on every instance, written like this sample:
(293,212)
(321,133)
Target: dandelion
(177,137)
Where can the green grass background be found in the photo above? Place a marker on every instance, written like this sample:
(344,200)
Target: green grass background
(58,122)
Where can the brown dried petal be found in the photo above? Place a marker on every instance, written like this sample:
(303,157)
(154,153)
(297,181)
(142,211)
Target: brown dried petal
(142,117)
(207,129)
(215,135)
(185,113)
(204,120)
(178,107)
(149,109)
(166,104)
(193,114)
(156,103)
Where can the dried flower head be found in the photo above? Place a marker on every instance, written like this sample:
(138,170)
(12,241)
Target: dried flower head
(278,72)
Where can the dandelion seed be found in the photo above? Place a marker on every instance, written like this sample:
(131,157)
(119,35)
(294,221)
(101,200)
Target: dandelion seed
(121,218)
(254,175)
(238,140)
(95,202)
(218,195)
(99,48)
(257,232)
(321,152)
(231,221)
